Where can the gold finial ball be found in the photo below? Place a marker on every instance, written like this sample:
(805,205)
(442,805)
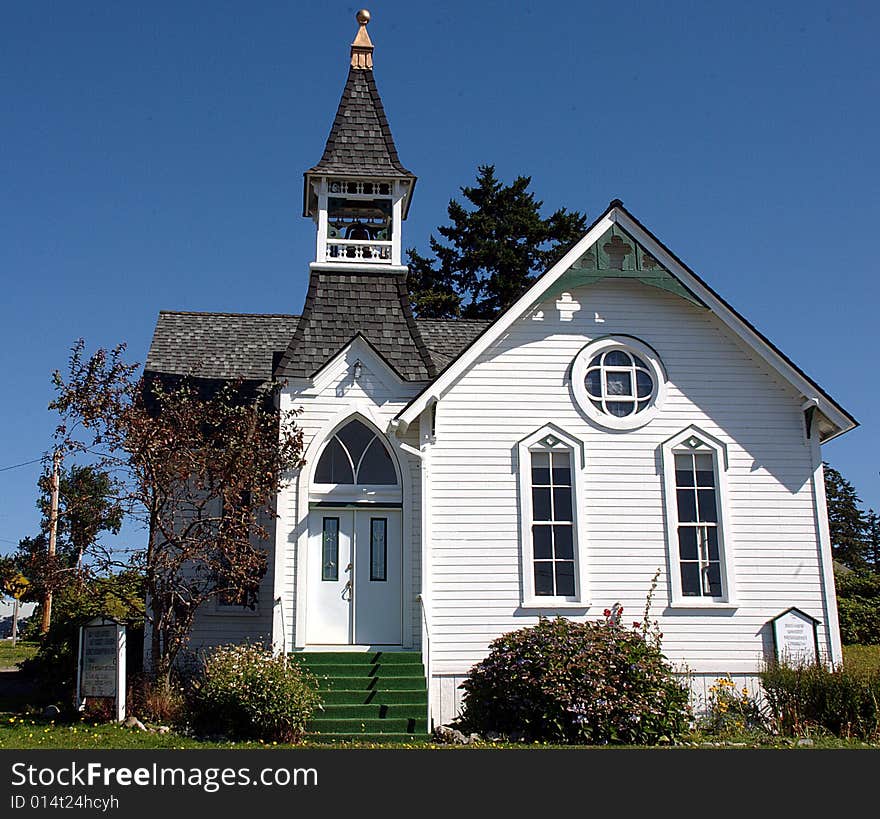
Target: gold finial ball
(363,17)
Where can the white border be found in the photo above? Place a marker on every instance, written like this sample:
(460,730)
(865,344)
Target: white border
(528,599)
(718,448)
(634,347)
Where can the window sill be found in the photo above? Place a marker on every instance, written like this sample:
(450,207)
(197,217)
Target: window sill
(554,603)
(697,603)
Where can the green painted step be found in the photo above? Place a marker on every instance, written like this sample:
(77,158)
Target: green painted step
(359,712)
(396,725)
(376,670)
(358,657)
(374,696)
(348,696)
(375,683)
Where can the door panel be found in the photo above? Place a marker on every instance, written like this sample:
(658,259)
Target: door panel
(329,570)
(363,547)
(378,577)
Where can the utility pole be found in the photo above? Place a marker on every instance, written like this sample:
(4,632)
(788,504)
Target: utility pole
(53,534)
(14,621)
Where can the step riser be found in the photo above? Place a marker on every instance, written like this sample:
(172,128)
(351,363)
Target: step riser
(360,712)
(365,670)
(372,684)
(373,697)
(358,658)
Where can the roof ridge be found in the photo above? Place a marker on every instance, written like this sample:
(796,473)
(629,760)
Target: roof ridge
(225,313)
(455,320)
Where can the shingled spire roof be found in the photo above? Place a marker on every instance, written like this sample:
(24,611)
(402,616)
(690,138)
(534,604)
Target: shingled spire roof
(342,305)
(360,141)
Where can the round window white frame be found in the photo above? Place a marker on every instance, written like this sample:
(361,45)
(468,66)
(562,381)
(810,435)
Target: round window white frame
(628,345)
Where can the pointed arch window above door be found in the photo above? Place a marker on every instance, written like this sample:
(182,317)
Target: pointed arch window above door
(356,455)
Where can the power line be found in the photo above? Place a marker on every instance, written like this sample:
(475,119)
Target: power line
(16,466)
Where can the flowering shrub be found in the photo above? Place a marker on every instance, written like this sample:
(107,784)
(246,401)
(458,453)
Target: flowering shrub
(593,683)
(246,691)
(730,710)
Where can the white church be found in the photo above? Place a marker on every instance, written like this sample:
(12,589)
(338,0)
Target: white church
(464,478)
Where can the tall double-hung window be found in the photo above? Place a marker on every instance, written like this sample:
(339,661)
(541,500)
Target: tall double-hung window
(550,465)
(698,536)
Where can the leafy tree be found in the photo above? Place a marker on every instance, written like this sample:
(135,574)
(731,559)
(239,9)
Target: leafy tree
(87,507)
(846,519)
(198,463)
(872,538)
(495,247)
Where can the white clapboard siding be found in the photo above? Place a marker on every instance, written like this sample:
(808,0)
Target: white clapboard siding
(213,626)
(520,384)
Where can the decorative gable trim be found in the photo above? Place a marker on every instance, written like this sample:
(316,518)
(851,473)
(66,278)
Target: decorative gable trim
(358,348)
(837,419)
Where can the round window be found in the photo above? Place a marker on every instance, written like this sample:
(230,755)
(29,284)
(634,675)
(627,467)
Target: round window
(618,382)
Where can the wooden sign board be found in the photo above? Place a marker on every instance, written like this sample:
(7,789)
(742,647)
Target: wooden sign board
(101,667)
(795,637)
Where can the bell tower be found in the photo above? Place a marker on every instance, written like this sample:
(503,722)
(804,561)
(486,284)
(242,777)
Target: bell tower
(359,193)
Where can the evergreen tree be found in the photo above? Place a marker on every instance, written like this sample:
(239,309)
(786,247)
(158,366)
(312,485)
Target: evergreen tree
(872,539)
(846,520)
(496,245)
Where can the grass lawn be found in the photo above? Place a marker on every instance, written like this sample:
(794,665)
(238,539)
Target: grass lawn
(11,655)
(27,732)
(862,658)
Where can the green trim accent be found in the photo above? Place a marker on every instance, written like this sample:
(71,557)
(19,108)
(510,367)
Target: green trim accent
(616,255)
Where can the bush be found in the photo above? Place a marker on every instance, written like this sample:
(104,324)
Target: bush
(561,681)
(841,701)
(153,702)
(858,606)
(731,711)
(246,691)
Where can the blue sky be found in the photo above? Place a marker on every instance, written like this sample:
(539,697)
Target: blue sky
(151,157)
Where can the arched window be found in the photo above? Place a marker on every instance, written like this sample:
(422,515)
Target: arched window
(356,455)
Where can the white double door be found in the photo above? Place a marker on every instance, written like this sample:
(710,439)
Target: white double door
(354,577)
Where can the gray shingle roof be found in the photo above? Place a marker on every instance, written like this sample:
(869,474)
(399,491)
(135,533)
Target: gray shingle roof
(244,345)
(360,141)
(339,306)
(447,338)
(219,345)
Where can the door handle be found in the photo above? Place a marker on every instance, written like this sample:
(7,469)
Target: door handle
(346,590)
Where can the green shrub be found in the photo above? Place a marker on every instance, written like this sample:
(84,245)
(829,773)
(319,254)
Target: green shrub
(841,701)
(561,681)
(858,607)
(246,691)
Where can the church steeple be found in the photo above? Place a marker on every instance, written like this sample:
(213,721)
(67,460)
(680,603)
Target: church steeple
(359,192)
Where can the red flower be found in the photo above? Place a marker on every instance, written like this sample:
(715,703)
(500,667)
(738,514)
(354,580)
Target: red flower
(607,612)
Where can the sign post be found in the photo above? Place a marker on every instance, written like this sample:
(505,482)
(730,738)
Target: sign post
(795,637)
(100,671)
